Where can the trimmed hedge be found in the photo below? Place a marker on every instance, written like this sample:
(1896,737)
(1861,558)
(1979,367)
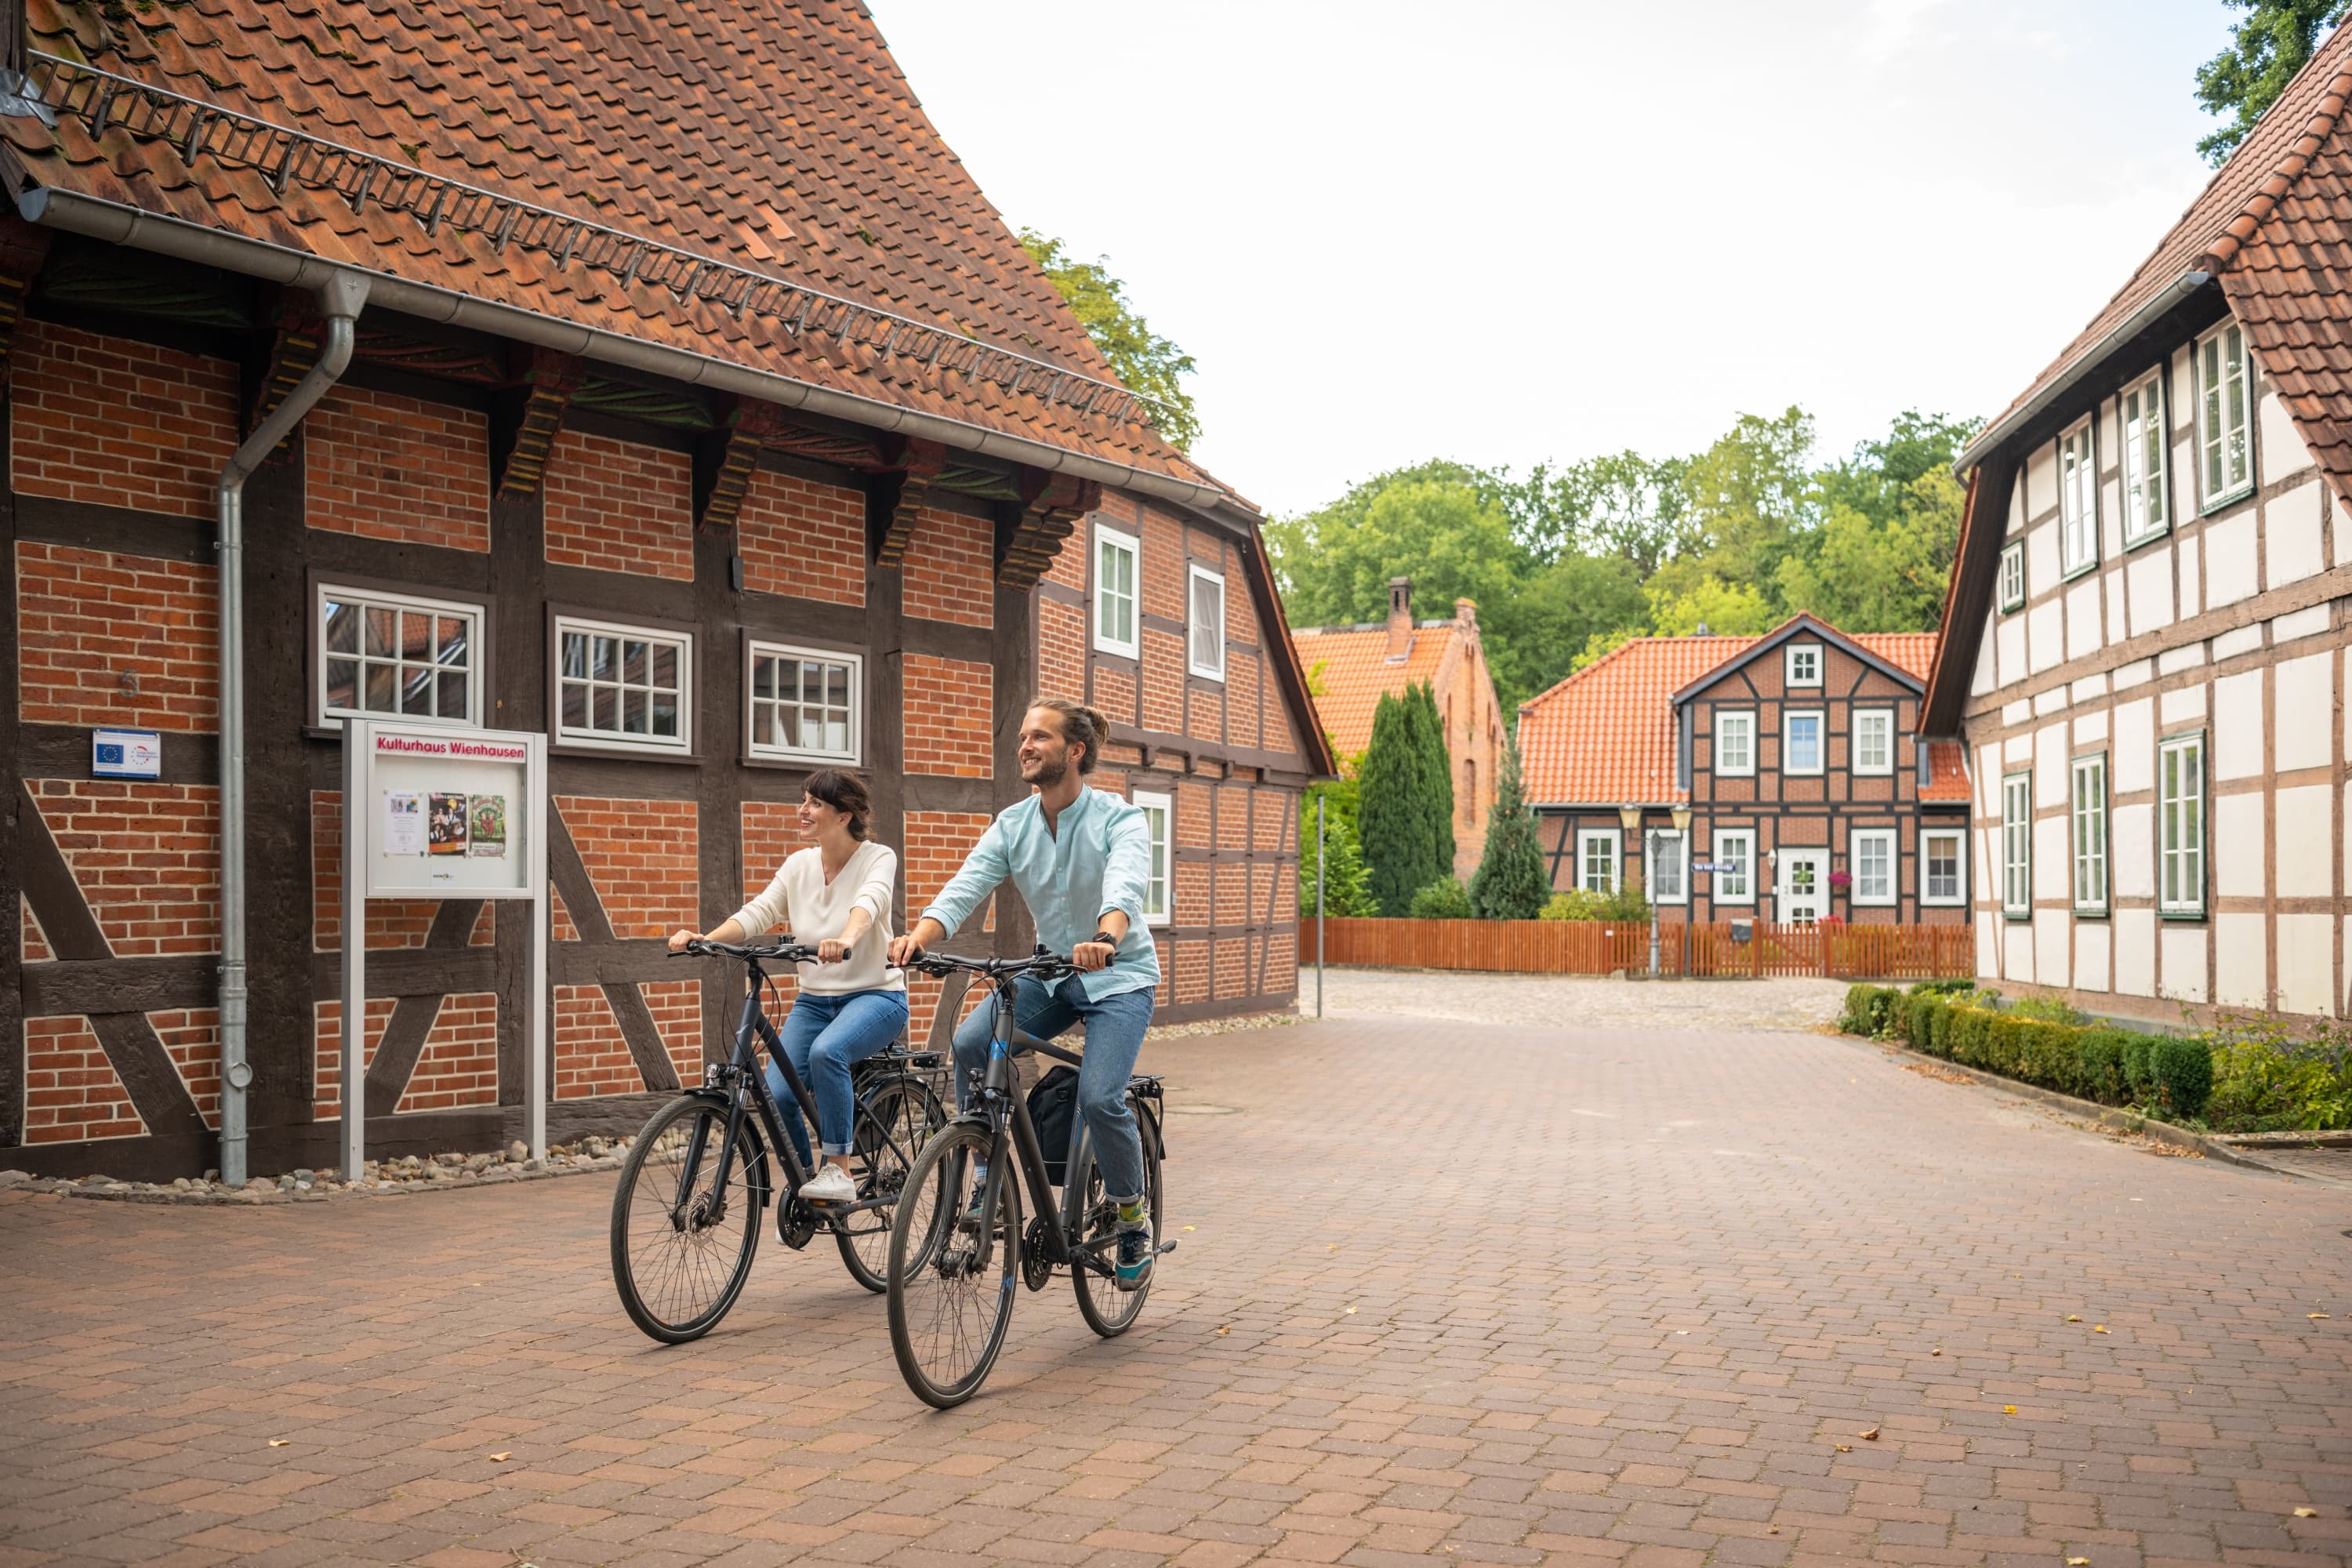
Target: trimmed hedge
(2166,1074)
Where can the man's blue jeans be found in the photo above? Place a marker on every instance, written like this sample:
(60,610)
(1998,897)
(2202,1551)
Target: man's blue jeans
(1115,1028)
(825,1036)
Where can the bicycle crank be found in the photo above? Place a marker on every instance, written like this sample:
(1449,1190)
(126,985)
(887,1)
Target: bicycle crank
(1036,1267)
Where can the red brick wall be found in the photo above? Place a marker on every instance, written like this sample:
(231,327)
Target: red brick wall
(390,922)
(71,1091)
(949,717)
(1235,976)
(640,855)
(145,855)
(87,618)
(592,1058)
(1163,681)
(387,466)
(327,1047)
(770,832)
(191,1037)
(803,538)
(32,946)
(118,423)
(458,1066)
(1192,972)
(1162,566)
(620,506)
(950,569)
(1062,650)
(936,842)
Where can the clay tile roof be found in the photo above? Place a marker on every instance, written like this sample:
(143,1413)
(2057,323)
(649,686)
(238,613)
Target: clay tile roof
(1605,736)
(1349,670)
(2286,188)
(1948,777)
(780,139)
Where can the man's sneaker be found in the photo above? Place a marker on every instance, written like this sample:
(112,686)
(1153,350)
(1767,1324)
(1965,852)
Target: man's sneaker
(979,1193)
(1134,1259)
(831,1185)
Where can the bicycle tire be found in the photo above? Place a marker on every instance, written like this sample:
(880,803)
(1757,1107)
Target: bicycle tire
(888,1140)
(1096,1293)
(946,1328)
(676,1282)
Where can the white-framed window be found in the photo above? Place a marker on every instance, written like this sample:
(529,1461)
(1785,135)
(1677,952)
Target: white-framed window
(805,703)
(624,685)
(2181,825)
(1206,645)
(1159,810)
(1667,871)
(1116,555)
(391,655)
(1735,743)
(2017,846)
(1596,859)
(1943,866)
(2225,436)
(1735,859)
(2089,814)
(1872,850)
(2012,577)
(2145,457)
(1801,741)
(1874,740)
(1803,664)
(2078,500)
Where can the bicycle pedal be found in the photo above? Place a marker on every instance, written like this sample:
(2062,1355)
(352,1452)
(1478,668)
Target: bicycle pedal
(1164,1248)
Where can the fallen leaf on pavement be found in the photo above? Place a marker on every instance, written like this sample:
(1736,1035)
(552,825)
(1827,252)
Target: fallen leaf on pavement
(2315,1316)
(2306,1514)
(502,1458)
(1938,1350)
(2098,1328)
(1870,1434)
(1845,1448)
(2078,1562)
(1351,1309)
(2073,1317)
(1191,1228)
(2009,1410)
(1224,1331)
(280,1442)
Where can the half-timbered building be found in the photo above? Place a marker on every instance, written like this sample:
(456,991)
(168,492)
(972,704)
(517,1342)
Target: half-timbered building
(2145,641)
(683,399)
(1795,755)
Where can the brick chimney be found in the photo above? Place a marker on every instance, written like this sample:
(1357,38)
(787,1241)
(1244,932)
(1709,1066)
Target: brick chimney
(1399,616)
(1465,613)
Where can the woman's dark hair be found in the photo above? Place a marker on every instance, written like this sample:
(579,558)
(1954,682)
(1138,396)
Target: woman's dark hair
(1081,726)
(846,793)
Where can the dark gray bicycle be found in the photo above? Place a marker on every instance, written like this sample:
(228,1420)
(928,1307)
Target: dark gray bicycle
(958,1247)
(686,1218)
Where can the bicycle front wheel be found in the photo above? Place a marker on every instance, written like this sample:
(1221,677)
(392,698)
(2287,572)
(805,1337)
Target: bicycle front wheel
(895,1119)
(683,1229)
(954,1271)
(1107,1309)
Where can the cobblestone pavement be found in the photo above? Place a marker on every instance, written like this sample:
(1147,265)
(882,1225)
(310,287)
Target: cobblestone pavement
(1508,1295)
(1586,1000)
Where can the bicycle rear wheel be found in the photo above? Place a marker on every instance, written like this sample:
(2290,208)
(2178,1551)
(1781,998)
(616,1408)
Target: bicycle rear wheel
(1107,1309)
(895,1118)
(952,1277)
(684,1231)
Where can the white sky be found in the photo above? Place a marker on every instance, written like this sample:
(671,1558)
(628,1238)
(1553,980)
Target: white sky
(1511,232)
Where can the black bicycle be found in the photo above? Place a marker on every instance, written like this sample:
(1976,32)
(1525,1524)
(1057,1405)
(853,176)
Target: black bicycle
(956,1252)
(686,1218)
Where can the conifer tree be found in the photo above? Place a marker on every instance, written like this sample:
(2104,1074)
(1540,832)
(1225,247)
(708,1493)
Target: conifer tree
(1510,884)
(1405,814)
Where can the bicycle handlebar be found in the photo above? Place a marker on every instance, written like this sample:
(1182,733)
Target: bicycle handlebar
(783,952)
(1041,963)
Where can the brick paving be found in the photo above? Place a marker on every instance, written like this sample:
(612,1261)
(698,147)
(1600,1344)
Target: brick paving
(1453,1294)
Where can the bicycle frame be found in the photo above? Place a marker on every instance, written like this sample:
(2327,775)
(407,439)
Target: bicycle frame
(1008,1109)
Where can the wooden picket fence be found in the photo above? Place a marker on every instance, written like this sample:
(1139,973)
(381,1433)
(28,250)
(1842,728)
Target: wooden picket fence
(1716,948)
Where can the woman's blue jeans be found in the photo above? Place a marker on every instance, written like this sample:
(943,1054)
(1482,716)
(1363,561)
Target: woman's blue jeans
(825,1034)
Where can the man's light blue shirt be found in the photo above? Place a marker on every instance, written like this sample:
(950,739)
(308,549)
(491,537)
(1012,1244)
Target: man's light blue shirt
(1096,859)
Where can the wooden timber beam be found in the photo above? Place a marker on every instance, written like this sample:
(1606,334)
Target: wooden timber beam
(1028,539)
(897,499)
(725,460)
(23,248)
(526,418)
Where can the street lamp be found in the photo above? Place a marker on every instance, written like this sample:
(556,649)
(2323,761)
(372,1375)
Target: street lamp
(1682,820)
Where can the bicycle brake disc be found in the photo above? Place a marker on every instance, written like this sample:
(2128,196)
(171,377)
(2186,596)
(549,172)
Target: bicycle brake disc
(1036,1267)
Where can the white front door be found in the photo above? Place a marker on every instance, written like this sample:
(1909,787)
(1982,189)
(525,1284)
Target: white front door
(1804,885)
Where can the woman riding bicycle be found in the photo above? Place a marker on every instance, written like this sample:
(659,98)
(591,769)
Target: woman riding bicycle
(836,895)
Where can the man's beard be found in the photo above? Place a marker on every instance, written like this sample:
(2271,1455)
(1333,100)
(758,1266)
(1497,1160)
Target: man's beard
(1048,771)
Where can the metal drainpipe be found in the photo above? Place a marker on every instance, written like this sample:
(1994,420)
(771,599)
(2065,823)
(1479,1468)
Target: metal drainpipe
(339,299)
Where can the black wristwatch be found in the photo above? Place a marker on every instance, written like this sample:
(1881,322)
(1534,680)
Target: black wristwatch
(1104,938)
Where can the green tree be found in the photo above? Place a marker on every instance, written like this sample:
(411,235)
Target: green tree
(1405,803)
(1427,524)
(1347,880)
(1750,494)
(1725,609)
(1510,883)
(1146,362)
(2265,51)
(1532,636)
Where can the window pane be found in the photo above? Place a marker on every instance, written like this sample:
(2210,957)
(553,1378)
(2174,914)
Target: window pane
(665,715)
(605,715)
(575,705)
(382,689)
(604,663)
(342,682)
(453,640)
(575,654)
(382,629)
(342,627)
(415,637)
(416,692)
(763,677)
(633,712)
(665,670)
(836,735)
(635,661)
(452,695)
(836,688)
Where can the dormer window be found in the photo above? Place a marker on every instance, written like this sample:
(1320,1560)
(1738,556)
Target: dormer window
(1804,664)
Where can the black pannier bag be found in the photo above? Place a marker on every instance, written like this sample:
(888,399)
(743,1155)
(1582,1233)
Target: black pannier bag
(1054,1110)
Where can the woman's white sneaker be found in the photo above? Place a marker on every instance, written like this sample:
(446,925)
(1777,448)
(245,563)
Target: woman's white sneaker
(831,1185)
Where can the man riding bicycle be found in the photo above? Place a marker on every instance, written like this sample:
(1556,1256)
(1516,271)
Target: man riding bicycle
(1082,861)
